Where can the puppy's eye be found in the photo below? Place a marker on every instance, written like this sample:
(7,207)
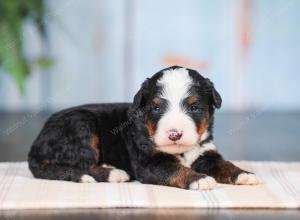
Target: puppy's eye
(194,108)
(156,109)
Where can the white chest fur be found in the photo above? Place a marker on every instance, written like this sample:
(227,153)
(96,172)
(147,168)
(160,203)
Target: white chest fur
(189,157)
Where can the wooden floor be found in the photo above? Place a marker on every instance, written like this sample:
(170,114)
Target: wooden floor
(255,135)
(152,214)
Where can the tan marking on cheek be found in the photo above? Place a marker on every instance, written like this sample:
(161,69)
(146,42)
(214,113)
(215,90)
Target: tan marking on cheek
(94,144)
(203,124)
(150,126)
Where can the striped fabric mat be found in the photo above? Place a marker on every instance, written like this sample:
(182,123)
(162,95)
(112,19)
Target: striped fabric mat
(19,190)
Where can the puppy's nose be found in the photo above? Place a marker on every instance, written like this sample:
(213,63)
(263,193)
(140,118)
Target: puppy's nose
(174,135)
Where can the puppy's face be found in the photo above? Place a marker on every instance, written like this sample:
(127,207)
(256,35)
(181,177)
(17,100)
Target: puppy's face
(177,105)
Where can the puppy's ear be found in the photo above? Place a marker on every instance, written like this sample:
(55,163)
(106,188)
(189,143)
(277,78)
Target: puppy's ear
(216,98)
(139,98)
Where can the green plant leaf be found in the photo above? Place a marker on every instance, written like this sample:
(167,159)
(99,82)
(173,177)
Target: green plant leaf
(13,13)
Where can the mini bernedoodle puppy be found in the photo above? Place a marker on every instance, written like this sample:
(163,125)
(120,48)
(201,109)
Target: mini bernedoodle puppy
(164,137)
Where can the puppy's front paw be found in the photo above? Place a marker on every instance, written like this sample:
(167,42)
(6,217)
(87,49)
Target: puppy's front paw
(205,183)
(247,179)
(118,176)
(87,179)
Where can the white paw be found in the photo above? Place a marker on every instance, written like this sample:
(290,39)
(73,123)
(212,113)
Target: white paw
(117,176)
(247,179)
(205,183)
(87,179)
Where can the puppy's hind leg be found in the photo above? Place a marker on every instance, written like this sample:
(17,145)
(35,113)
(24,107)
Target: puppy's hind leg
(55,172)
(105,173)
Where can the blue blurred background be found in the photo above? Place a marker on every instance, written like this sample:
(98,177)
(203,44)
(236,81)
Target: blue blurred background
(102,50)
(55,54)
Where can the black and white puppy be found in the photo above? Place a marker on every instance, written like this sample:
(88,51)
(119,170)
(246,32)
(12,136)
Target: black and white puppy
(164,137)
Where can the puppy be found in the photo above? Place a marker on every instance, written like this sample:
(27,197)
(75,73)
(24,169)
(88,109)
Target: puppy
(164,137)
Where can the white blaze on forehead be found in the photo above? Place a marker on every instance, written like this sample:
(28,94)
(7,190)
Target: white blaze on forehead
(175,84)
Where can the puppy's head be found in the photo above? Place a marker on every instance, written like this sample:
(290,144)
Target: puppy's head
(177,105)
